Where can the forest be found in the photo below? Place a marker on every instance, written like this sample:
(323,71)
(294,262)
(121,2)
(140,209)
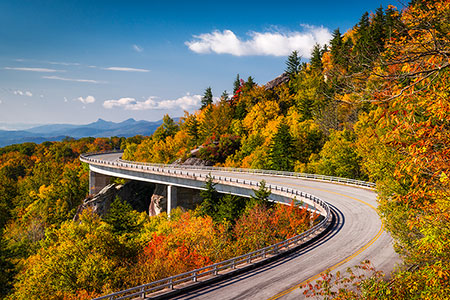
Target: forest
(373,104)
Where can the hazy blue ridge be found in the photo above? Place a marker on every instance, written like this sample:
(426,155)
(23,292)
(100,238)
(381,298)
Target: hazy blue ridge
(99,128)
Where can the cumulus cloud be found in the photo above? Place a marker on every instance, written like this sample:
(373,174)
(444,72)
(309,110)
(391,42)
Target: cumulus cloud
(87,100)
(34,69)
(126,69)
(22,93)
(137,48)
(72,79)
(261,43)
(186,103)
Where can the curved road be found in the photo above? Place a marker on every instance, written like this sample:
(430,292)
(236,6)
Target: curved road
(357,235)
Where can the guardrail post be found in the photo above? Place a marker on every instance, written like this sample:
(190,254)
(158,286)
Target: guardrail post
(142,296)
(215,270)
(194,279)
(171,283)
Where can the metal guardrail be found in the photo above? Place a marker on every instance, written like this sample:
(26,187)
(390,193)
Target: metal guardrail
(232,263)
(359,183)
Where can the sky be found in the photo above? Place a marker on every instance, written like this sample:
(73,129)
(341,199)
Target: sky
(77,61)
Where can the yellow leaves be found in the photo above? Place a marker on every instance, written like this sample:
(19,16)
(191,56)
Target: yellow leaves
(260,114)
(406,68)
(443,178)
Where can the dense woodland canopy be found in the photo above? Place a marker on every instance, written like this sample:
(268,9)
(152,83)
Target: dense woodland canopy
(372,105)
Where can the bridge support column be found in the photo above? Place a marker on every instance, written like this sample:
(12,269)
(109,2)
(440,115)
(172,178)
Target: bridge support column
(171,198)
(97,182)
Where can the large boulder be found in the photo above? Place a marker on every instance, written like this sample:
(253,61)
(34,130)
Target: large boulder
(283,78)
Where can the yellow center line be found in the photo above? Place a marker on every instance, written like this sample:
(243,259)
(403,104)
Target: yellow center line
(279,295)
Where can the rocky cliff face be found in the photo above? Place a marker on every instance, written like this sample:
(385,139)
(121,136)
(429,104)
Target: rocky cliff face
(283,78)
(137,194)
(158,201)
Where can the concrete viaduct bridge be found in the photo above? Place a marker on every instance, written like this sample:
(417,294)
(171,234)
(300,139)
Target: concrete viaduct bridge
(354,231)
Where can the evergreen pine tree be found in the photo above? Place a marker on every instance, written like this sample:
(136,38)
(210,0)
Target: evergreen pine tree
(193,128)
(293,63)
(377,33)
(261,196)
(250,83)
(167,128)
(316,58)
(122,217)
(207,98)
(281,148)
(211,199)
(336,47)
(236,84)
(225,96)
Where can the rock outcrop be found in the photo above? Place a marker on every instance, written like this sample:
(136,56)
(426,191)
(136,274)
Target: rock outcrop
(283,78)
(137,194)
(158,201)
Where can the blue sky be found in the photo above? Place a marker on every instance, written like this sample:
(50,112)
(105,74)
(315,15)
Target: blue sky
(76,61)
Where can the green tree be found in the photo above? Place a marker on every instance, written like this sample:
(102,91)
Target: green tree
(336,47)
(260,196)
(250,83)
(224,96)
(207,98)
(122,217)
(338,157)
(167,128)
(293,64)
(281,151)
(210,198)
(192,126)
(316,58)
(236,84)
(230,208)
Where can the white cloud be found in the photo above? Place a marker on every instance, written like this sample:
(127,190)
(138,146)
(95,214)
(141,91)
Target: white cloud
(266,43)
(125,69)
(73,79)
(65,99)
(34,69)
(187,102)
(87,100)
(1,101)
(23,93)
(62,63)
(137,48)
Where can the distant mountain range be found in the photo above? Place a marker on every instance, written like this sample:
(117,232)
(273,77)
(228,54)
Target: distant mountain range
(99,128)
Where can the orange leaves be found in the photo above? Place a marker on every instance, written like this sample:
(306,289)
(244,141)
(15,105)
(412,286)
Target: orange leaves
(261,226)
(163,257)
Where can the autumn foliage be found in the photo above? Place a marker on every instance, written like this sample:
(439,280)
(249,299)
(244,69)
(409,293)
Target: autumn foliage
(372,105)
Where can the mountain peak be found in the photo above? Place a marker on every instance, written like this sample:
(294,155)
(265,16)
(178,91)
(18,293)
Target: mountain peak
(130,120)
(100,120)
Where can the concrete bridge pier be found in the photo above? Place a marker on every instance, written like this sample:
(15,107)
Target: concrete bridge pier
(97,182)
(172,195)
(167,197)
